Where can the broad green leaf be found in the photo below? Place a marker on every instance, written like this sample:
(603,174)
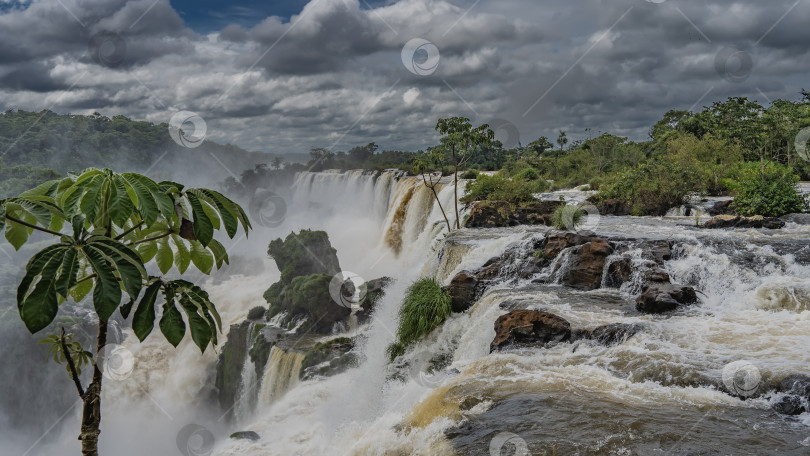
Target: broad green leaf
(182,257)
(220,254)
(202,258)
(211,213)
(126,261)
(17,234)
(126,308)
(147,250)
(107,292)
(34,268)
(164,255)
(200,329)
(165,204)
(2,216)
(171,323)
(39,307)
(92,200)
(68,272)
(225,210)
(203,228)
(81,290)
(44,189)
(143,191)
(119,207)
(144,318)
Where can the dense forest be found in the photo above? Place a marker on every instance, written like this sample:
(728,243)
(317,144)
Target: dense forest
(38,146)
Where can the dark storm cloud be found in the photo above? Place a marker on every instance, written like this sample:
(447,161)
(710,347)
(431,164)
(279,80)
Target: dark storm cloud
(332,75)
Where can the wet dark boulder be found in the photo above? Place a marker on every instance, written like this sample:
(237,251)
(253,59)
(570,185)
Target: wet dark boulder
(329,358)
(738,221)
(721,208)
(618,272)
(491,269)
(797,395)
(375,290)
(615,333)
(529,328)
(587,265)
(463,289)
(613,207)
(245,435)
(658,251)
(664,297)
(557,241)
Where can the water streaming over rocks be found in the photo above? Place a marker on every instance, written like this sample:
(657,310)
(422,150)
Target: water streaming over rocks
(662,391)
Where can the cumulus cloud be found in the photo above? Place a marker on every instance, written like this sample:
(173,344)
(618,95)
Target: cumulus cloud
(332,75)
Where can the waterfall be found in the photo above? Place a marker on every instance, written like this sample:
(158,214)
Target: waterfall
(247,389)
(280,374)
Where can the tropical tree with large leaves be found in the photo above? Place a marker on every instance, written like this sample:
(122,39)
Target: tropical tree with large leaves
(108,228)
(459,141)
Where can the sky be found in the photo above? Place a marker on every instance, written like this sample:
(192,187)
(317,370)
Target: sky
(289,76)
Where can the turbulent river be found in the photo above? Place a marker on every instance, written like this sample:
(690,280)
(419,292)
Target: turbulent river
(655,394)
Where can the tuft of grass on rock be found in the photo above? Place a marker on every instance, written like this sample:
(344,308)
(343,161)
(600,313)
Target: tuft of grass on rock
(426,306)
(566,217)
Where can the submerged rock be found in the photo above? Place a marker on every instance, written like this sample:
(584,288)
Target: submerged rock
(615,333)
(529,327)
(329,358)
(245,435)
(797,395)
(738,221)
(664,297)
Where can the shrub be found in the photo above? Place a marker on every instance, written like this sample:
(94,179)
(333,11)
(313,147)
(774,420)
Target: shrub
(426,306)
(470,174)
(768,190)
(654,187)
(566,217)
(528,174)
(256,313)
(500,188)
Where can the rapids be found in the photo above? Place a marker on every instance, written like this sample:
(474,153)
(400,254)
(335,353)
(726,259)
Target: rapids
(659,393)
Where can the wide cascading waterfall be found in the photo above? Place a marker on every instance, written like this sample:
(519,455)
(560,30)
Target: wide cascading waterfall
(280,374)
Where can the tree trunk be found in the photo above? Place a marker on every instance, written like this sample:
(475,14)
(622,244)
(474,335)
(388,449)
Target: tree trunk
(435,195)
(455,187)
(91,412)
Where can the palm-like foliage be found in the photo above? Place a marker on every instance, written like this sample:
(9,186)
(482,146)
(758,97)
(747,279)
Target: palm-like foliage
(117,224)
(120,222)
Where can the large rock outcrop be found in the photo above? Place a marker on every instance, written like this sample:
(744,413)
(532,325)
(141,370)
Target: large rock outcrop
(587,264)
(308,264)
(529,328)
(492,214)
(796,398)
(738,221)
